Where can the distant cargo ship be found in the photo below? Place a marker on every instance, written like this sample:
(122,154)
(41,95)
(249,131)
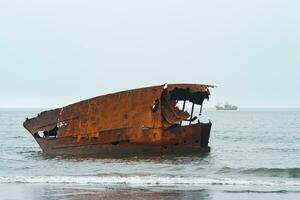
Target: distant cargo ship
(226,107)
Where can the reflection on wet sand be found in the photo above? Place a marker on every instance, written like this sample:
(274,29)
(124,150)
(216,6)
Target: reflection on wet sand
(70,192)
(95,192)
(141,194)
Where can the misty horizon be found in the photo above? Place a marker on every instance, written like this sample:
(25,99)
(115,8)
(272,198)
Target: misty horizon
(52,58)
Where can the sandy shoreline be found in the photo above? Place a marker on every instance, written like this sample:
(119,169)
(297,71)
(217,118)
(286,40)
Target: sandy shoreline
(16,191)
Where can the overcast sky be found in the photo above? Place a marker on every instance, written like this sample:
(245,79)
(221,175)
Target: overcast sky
(57,52)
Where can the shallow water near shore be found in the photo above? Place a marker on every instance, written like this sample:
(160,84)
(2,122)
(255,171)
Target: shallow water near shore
(255,153)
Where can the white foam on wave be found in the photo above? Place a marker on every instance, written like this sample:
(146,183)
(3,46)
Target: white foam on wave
(143,181)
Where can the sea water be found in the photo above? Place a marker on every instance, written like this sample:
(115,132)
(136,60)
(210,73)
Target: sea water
(255,154)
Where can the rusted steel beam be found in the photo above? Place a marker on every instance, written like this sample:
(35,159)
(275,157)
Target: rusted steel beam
(200,112)
(183,108)
(192,112)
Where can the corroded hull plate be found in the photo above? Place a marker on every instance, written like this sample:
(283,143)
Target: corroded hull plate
(190,140)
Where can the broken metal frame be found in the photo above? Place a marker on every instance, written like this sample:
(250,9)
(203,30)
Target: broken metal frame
(190,120)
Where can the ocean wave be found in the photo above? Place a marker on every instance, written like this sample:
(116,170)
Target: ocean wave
(274,172)
(147,180)
(262,191)
(266,172)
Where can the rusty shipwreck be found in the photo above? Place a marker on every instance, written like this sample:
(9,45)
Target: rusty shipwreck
(152,120)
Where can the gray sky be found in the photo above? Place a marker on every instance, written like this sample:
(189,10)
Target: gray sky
(57,52)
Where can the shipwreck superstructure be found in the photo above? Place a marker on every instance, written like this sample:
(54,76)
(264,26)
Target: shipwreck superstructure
(139,121)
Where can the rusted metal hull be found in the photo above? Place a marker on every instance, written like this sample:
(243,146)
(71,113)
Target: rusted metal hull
(181,140)
(131,122)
